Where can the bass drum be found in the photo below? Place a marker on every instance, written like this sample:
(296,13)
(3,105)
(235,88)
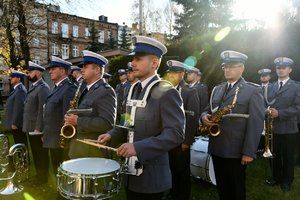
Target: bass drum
(201,163)
(88,178)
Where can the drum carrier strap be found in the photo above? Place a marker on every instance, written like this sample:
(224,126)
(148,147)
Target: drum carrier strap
(133,165)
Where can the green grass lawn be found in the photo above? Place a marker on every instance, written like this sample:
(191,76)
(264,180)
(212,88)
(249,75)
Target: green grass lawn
(257,172)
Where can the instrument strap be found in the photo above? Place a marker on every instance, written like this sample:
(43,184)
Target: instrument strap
(132,162)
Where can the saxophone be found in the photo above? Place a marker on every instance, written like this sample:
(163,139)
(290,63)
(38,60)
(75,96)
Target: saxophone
(68,131)
(214,129)
(268,134)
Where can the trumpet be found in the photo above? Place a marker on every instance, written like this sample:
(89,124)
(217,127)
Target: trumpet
(268,134)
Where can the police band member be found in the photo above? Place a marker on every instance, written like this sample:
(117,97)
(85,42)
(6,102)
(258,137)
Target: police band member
(107,77)
(236,145)
(120,89)
(158,127)
(265,77)
(131,80)
(99,96)
(56,106)
(194,80)
(15,107)
(284,99)
(76,74)
(180,157)
(33,120)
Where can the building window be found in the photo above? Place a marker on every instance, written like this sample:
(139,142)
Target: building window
(75,31)
(54,49)
(54,27)
(101,37)
(86,32)
(65,51)
(109,34)
(75,51)
(64,30)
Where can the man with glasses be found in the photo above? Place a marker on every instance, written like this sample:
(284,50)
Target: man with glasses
(236,145)
(284,98)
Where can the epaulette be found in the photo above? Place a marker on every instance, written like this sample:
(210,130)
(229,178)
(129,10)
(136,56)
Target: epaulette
(106,85)
(253,84)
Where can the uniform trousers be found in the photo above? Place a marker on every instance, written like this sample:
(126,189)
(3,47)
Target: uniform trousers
(298,146)
(283,161)
(57,155)
(180,169)
(130,195)
(40,157)
(230,178)
(20,137)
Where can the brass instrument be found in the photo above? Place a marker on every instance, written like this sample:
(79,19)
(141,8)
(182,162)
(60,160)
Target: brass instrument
(214,129)
(17,168)
(68,131)
(4,144)
(268,134)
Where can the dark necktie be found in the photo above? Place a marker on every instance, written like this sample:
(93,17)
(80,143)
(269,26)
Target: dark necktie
(228,89)
(137,91)
(281,84)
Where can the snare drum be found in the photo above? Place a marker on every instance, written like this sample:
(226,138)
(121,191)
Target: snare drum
(93,178)
(201,163)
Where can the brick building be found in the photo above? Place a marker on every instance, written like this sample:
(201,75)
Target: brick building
(68,34)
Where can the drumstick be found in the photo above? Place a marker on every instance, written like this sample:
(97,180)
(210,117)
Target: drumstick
(89,142)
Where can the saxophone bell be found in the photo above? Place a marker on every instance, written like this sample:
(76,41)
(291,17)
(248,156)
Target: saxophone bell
(214,130)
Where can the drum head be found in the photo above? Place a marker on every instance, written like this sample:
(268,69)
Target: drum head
(90,166)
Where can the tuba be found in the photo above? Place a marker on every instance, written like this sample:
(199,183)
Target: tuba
(4,144)
(214,129)
(268,134)
(17,168)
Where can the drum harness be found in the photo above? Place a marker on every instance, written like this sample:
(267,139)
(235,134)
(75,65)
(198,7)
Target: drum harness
(134,167)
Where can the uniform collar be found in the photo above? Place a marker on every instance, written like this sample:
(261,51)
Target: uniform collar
(283,81)
(17,85)
(90,85)
(147,80)
(57,84)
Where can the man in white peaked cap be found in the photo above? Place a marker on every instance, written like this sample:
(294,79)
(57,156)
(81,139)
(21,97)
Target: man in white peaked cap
(33,120)
(98,96)
(158,124)
(240,128)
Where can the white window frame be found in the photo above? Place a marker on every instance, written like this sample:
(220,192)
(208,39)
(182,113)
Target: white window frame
(54,49)
(54,29)
(64,30)
(65,51)
(75,31)
(86,32)
(101,37)
(75,51)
